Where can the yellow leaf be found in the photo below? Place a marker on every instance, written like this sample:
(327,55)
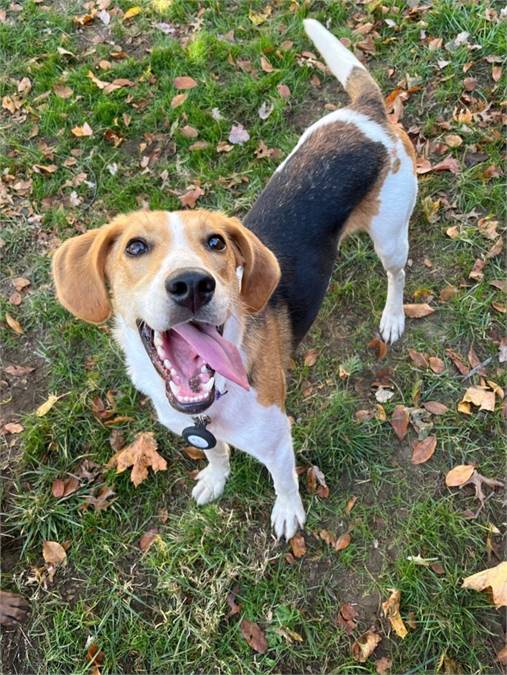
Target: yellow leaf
(480,397)
(53,552)
(459,475)
(45,407)
(140,455)
(83,131)
(132,12)
(14,324)
(391,609)
(494,578)
(257,18)
(464,408)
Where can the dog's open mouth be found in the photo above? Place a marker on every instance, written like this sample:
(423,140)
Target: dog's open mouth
(187,357)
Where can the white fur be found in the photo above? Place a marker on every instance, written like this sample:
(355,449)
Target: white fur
(338,58)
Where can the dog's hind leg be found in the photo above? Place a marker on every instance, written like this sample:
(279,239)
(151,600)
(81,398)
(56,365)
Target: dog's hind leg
(211,480)
(389,232)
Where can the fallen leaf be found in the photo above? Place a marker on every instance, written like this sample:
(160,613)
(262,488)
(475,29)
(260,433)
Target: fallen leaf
(140,455)
(418,310)
(266,65)
(435,408)
(82,131)
(470,83)
(346,618)
(193,453)
(448,293)
(20,283)
(234,607)
(350,504)
(502,351)
(99,500)
(383,395)
(298,545)
(64,487)
(20,371)
(316,482)
(283,90)
(53,553)
(147,539)
(178,100)
(480,397)
(495,249)
(459,475)
(265,110)
(311,357)
(436,364)
(501,284)
(184,82)
(458,361)
(132,12)
(418,358)
(399,421)
(45,407)
(423,450)
(364,646)
(254,635)
(13,324)
(494,578)
(453,140)
(379,346)
(383,665)
(476,272)
(13,428)
(391,609)
(342,542)
(190,198)
(501,657)
(453,232)
(95,658)
(238,134)
(189,132)
(258,18)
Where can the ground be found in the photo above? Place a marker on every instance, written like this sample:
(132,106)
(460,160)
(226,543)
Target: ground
(165,609)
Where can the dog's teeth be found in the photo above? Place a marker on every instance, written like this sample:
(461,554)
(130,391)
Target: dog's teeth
(174,388)
(161,353)
(157,339)
(204,369)
(174,372)
(207,386)
(167,364)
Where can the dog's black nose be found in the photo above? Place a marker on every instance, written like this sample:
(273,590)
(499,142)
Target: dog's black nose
(191,288)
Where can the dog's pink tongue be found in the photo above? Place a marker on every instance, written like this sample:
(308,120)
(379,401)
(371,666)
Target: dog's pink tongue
(219,353)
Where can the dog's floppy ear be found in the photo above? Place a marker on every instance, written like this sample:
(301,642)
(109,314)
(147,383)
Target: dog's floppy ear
(80,276)
(261,271)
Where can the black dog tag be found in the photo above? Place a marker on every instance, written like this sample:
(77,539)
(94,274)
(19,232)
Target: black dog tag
(198,435)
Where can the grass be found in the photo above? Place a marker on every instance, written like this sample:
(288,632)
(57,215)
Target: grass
(166,610)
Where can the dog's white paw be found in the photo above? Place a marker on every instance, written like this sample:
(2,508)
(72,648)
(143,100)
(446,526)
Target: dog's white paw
(287,516)
(392,325)
(210,484)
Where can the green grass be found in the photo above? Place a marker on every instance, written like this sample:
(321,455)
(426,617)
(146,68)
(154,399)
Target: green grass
(166,610)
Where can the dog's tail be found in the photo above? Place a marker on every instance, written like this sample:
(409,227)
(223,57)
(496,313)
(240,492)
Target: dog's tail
(364,92)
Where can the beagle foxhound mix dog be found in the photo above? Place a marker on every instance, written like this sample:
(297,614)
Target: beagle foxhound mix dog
(208,310)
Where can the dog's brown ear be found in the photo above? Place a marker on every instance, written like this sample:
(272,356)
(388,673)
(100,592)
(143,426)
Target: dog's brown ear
(261,271)
(79,272)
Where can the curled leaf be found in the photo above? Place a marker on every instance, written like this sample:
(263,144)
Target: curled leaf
(423,450)
(459,475)
(494,578)
(391,609)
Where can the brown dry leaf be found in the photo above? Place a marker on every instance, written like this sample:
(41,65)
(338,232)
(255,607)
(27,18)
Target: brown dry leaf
(193,453)
(452,232)
(423,450)
(399,421)
(494,578)
(420,359)
(178,100)
(501,284)
(501,657)
(95,658)
(13,324)
(83,131)
(184,82)
(458,361)
(481,397)
(13,428)
(234,607)
(62,91)
(298,545)
(254,635)
(99,501)
(346,618)
(327,537)
(147,539)
(343,541)
(140,455)
(448,293)
(266,65)
(435,407)
(391,609)
(476,272)
(311,357)
(364,646)
(350,504)
(18,371)
(191,196)
(20,283)
(379,346)
(258,18)
(383,665)
(53,553)
(495,249)
(464,408)
(316,482)
(459,475)
(283,90)
(496,73)
(418,310)
(453,140)
(189,132)
(45,407)
(64,487)
(436,364)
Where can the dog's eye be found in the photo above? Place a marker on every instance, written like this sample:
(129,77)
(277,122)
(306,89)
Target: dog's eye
(216,242)
(136,247)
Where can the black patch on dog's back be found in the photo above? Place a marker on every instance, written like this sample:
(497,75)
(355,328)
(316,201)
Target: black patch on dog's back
(302,210)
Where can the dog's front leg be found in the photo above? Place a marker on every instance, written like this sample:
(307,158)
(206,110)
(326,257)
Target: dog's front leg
(211,480)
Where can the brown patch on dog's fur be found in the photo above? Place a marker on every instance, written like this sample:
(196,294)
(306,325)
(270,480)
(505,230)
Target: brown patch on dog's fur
(268,345)
(363,214)
(407,143)
(366,95)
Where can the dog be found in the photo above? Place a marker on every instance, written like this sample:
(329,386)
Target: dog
(208,309)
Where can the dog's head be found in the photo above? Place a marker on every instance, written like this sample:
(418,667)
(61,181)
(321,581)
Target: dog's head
(176,277)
